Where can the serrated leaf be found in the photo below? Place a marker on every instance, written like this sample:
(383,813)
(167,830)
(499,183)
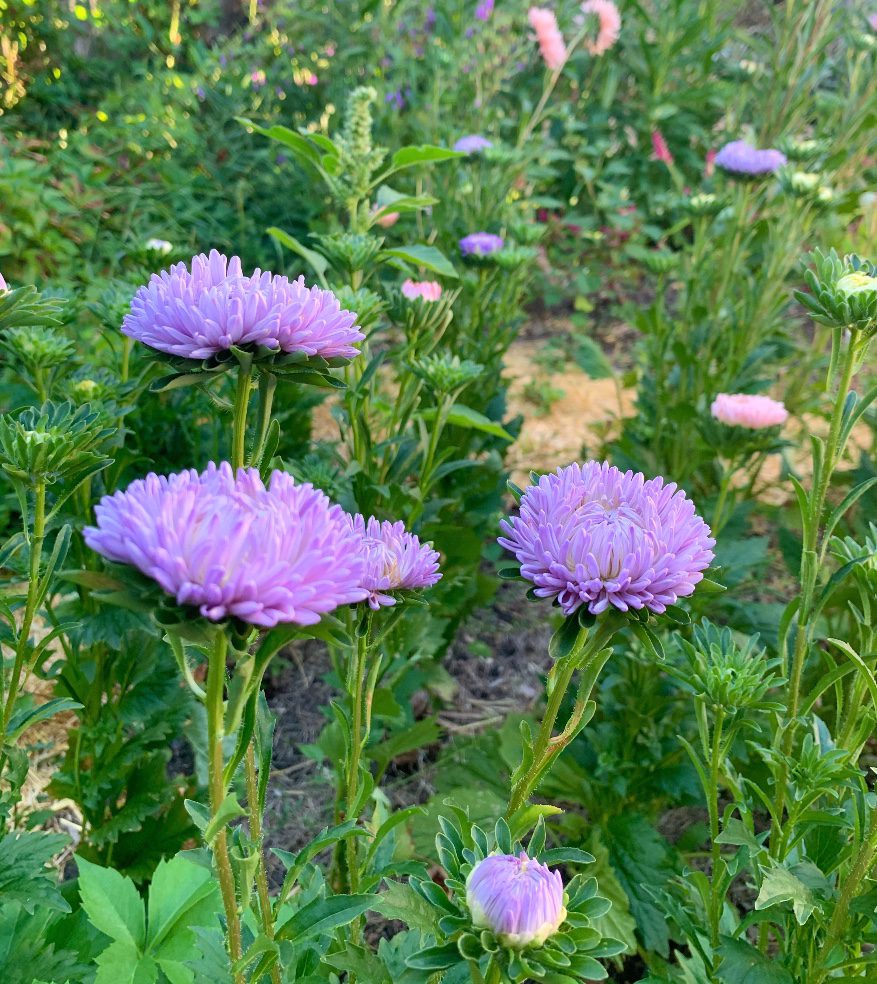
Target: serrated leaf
(112,903)
(24,877)
(323,915)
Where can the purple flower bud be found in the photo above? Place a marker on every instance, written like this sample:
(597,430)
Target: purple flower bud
(518,898)
(480,244)
(473,143)
(739,157)
(484,10)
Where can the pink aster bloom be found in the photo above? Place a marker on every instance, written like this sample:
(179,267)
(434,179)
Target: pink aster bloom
(608,25)
(660,150)
(744,410)
(709,164)
(518,898)
(232,547)
(395,560)
(387,219)
(3,283)
(196,313)
(872,21)
(593,535)
(427,290)
(551,42)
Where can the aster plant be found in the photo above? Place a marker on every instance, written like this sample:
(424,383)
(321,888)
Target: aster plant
(609,548)
(505,915)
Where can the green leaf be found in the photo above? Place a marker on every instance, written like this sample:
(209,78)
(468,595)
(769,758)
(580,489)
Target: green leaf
(121,963)
(435,957)
(24,877)
(360,962)
(783,884)
(423,154)
(22,720)
(401,902)
(743,964)
(422,255)
(463,416)
(323,915)
(112,903)
(419,735)
(181,895)
(590,358)
(318,263)
(566,855)
(209,826)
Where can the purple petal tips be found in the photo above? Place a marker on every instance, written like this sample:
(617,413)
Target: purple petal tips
(592,535)
(196,313)
(739,157)
(231,547)
(394,560)
(480,244)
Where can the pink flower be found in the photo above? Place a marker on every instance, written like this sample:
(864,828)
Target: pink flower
(872,21)
(427,290)
(551,42)
(660,148)
(608,25)
(709,167)
(3,283)
(744,410)
(387,219)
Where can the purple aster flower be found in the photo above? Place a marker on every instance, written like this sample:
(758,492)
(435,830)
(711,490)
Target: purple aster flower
(231,547)
(592,535)
(395,560)
(201,93)
(199,312)
(484,10)
(517,898)
(429,19)
(480,244)
(739,157)
(395,99)
(473,144)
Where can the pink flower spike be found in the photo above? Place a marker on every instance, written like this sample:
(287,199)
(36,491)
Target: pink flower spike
(608,25)
(660,149)
(551,42)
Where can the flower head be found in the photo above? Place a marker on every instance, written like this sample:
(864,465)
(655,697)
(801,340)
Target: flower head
(3,283)
(386,220)
(480,244)
(739,157)
(608,25)
(395,560)
(551,43)
(856,283)
(518,898)
(161,246)
(473,143)
(233,547)
(196,313)
(484,10)
(593,535)
(426,290)
(745,410)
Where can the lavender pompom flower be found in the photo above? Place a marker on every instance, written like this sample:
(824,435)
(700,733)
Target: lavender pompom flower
(473,143)
(480,244)
(197,313)
(739,157)
(518,898)
(231,547)
(592,535)
(395,560)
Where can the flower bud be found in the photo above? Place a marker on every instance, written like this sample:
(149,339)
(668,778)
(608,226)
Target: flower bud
(856,283)
(518,898)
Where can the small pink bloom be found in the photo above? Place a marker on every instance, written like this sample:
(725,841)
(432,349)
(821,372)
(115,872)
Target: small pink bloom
(387,219)
(744,410)
(551,42)
(872,21)
(312,79)
(660,149)
(709,168)
(3,283)
(608,25)
(427,290)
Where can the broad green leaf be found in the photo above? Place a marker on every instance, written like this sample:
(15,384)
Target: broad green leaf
(323,915)
(400,901)
(782,884)
(181,895)
(360,962)
(469,419)
(743,964)
(122,963)
(112,903)
(422,256)
(424,154)
(22,720)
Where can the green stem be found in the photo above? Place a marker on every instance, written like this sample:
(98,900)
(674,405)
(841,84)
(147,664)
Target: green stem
(861,869)
(713,806)
(809,574)
(255,822)
(239,424)
(215,734)
(587,656)
(30,605)
(356,689)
